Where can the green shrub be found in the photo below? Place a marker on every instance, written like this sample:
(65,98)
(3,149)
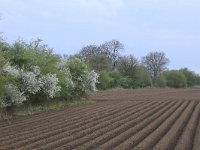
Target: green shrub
(126,82)
(176,79)
(142,77)
(191,77)
(105,80)
(35,53)
(3,78)
(115,75)
(159,81)
(79,71)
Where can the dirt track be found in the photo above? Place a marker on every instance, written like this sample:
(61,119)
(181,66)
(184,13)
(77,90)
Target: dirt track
(163,119)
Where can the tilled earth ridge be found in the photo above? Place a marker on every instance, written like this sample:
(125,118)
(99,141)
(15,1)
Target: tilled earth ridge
(160,119)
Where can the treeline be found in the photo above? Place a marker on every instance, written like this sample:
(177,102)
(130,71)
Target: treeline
(117,70)
(31,72)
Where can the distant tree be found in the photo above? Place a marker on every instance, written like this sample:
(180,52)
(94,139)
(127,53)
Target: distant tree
(127,65)
(192,77)
(176,79)
(88,51)
(112,49)
(142,77)
(95,57)
(156,63)
(99,62)
(116,76)
(160,81)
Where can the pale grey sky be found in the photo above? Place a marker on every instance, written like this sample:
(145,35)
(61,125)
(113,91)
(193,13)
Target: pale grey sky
(171,26)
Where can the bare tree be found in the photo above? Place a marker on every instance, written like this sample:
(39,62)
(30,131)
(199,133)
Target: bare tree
(99,62)
(88,51)
(100,56)
(127,65)
(112,49)
(156,63)
(95,57)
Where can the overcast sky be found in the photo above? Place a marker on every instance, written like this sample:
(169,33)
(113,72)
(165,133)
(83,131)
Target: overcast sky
(171,26)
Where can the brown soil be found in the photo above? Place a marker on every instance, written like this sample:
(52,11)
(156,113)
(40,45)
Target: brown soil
(160,119)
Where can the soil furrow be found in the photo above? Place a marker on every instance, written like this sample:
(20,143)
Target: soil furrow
(66,129)
(168,142)
(138,137)
(186,140)
(67,124)
(81,131)
(92,144)
(122,136)
(196,142)
(50,118)
(150,141)
(117,131)
(64,123)
(142,119)
(18,120)
(48,124)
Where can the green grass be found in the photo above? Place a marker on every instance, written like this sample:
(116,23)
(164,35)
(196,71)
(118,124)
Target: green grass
(29,109)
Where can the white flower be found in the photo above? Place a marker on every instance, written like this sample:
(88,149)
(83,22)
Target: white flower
(14,96)
(92,79)
(12,70)
(62,65)
(50,85)
(36,70)
(30,82)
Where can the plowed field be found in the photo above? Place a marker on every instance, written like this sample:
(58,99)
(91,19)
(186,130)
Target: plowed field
(160,119)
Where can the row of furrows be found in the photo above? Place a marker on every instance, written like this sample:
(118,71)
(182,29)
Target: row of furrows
(135,139)
(169,140)
(152,139)
(60,122)
(196,140)
(80,129)
(124,136)
(174,129)
(186,140)
(7,122)
(51,115)
(142,125)
(108,131)
(137,93)
(177,132)
(75,115)
(71,127)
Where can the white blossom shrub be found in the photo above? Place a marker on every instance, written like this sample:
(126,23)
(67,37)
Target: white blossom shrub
(36,70)
(50,85)
(73,79)
(62,65)
(92,80)
(11,70)
(31,83)
(28,83)
(78,78)
(13,96)
(63,68)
